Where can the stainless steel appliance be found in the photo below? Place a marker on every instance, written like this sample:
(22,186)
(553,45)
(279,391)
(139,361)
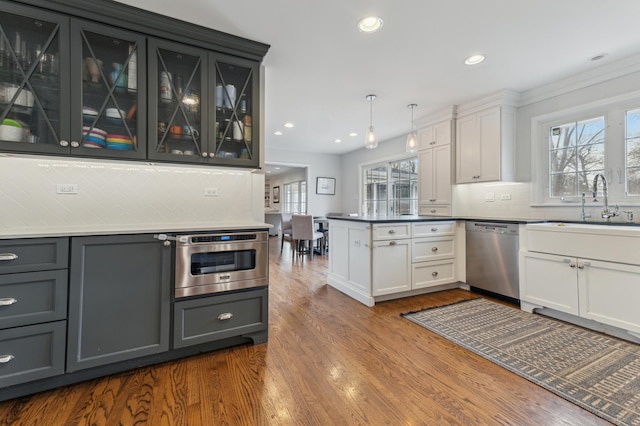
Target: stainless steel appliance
(211,263)
(492,258)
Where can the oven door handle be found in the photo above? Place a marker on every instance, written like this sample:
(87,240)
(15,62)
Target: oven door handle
(165,237)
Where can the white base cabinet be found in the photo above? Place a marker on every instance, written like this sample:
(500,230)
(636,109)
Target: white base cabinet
(602,291)
(379,261)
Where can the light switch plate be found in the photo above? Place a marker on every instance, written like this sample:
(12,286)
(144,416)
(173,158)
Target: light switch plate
(505,197)
(67,188)
(211,192)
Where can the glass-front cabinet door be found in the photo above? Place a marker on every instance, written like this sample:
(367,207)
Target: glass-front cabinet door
(34,70)
(178,103)
(108,116)
(236,104)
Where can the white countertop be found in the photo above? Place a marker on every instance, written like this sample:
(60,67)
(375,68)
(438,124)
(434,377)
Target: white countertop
(74,231)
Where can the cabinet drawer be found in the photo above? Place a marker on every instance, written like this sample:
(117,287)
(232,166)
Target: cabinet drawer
(428,274)
(37,254)
(429,210)
(32,353)
(219,317)
(426,249)
(432,229)
(391,231)
(32,297)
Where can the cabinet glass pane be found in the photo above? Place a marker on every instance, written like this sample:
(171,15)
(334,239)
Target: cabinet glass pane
(29,80)
(234,129)
(179,126)
(109,95)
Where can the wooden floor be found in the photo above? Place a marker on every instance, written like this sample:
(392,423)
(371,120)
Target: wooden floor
(329,361)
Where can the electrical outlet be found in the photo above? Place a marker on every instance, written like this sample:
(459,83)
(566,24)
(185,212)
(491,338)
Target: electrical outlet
(505,197)
(211,192)
(489,197)
(67,188)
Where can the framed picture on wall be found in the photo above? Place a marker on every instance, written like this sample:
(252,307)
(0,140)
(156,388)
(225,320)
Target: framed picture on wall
(326,186)
(276,194)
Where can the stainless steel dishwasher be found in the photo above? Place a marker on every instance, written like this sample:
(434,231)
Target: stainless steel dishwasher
(492,258)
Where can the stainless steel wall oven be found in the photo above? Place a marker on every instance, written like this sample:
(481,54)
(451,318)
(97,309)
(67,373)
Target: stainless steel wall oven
(212,263)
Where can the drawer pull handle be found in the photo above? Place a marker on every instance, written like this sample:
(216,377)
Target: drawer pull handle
(8,256)
(434,249)
(8,301)
(434,274)
(434,229)
(433,210)
(225,316)
(225,276)
(392,243)
(6,358)
(392,231)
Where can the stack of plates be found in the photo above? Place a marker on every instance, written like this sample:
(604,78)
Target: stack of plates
(121,142)
(94,138)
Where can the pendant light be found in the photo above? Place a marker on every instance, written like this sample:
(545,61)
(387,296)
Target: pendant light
(371,141)
(412,138)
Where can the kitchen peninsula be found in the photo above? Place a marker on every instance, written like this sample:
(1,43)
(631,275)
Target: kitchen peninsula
(382,258)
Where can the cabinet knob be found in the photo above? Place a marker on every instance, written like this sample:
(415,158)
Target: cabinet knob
(167,244)
(75,144)
(8,256)
(212,154)
(434,249)
(392,243)
(392,231)
(6,358)
(434,229)
(64,143)
(225,316)
(8,301)
(434,274)
(205,154)
(572,265)
(433,210)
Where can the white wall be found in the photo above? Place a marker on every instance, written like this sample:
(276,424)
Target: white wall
(319,165)
(122,195)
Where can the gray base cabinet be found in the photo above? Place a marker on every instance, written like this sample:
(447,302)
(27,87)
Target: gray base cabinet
(119,299)
(218,317)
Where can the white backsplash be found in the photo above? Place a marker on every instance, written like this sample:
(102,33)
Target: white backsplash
(124,194)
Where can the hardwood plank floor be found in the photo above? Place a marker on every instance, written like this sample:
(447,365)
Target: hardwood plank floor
(329,361)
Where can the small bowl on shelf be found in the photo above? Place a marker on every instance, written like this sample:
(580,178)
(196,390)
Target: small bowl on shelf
(11,130)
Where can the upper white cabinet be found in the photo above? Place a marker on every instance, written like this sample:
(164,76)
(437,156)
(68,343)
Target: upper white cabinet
(485,140)
(435,159)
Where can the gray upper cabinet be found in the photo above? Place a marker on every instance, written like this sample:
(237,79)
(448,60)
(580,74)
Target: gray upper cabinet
(74,81)
(119,299)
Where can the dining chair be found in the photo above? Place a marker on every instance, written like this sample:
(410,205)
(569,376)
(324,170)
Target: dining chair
(285,227)
(303,231)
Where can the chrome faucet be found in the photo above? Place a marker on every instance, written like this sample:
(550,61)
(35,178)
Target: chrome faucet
(606,213)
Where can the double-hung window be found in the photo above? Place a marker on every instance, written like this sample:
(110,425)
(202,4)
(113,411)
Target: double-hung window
(390,188)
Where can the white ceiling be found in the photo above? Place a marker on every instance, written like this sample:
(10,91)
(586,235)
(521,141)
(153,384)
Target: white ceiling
(320,67)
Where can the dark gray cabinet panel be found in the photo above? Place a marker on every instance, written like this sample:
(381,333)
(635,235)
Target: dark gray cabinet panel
(33,297)
(119,299)
(32,352)
(218,317)
(33,254)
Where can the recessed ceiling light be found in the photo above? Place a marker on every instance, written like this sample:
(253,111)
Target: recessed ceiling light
(277,168)
(474,59)
(277,133)
(352,134)
(338,141)
(370,24)
(288,125)
(597,57)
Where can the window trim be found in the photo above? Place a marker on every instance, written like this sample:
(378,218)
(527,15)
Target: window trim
(611,108)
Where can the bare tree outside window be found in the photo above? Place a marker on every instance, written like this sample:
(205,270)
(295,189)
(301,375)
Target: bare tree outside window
(632,143)
(576,155)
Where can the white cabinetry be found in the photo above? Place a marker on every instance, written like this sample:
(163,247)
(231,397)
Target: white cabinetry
(485,141)
(577,271)
(378,261)
(435,169)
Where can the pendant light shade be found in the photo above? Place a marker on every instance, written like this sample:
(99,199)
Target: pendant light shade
(412,138)
(371,141)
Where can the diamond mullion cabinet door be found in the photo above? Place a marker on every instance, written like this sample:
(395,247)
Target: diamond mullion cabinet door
(236,96)
(108,92)
(178,107)
(34,80)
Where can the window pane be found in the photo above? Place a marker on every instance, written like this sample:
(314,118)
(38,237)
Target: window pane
(391,188)
(633,181)
(591,131)
(633,124)
(563,136)
(563,160)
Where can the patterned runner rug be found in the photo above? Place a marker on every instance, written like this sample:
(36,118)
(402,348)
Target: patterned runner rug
(596,372)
